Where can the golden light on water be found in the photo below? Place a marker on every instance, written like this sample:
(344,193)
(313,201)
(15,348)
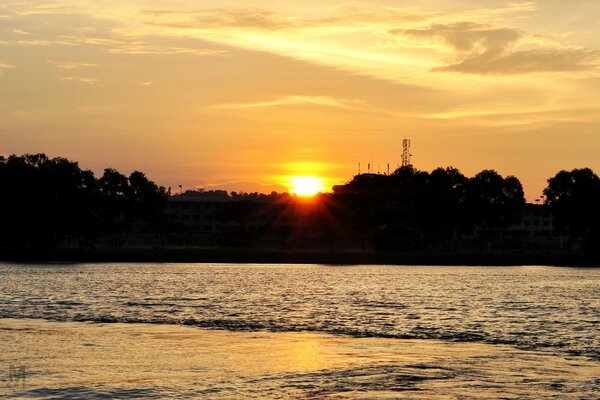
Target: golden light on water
(306,185)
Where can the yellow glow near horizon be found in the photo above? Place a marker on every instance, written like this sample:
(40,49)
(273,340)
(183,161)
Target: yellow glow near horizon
(306,185)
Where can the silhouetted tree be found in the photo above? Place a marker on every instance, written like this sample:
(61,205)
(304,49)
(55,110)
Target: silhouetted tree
(148,200)
(116,211)
(574,198)
(493,202)
(45,201)
(444,206)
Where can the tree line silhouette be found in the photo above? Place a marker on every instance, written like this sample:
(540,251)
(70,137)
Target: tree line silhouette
(411,209)
(47,202)
(51,202)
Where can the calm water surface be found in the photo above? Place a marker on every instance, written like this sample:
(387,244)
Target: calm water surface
(551,310)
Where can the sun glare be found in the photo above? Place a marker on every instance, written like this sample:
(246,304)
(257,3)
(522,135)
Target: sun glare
(306,185)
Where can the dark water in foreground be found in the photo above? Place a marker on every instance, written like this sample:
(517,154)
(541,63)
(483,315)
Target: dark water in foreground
(533,308)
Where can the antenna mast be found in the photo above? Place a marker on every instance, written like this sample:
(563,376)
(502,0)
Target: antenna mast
(406,153)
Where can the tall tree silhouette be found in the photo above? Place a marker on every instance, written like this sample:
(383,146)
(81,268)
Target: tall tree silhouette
(574,198)
(444,204)
(493,202)
(45,201)
(148,200)
(116,211)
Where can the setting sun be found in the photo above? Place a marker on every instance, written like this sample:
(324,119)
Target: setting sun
(306,185)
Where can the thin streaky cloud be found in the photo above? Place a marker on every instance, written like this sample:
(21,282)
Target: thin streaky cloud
(584,113)
(220,18)
(294,100)
(166,50)
(4,66)
(90,81)
(20,32)
(42,9)
(114,45)
(320,101)
(70,65)
(520,117)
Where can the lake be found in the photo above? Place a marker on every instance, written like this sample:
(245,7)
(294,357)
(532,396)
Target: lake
(298,331)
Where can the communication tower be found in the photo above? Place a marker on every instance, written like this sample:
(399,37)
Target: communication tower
(406,153)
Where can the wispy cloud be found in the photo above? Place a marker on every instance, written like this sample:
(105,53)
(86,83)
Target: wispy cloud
(114,46)
(465,36)
(4,66)
(220,18)
(90,81)
(28,42)
(310,101)
(20,32)
(541,115)
(296,100)
(357,38)
(40,9)
(70,65)
(126,45)
(499,116)
(365,40)
(527,61)
(165,50)
(483,49)
(352,16)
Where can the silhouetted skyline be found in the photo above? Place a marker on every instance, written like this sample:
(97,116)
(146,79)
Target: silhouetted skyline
(53,203)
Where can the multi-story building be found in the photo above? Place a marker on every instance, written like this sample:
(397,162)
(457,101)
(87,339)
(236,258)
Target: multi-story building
(537,222)
(215,215)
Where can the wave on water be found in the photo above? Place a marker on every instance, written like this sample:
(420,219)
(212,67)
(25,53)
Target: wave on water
(533,309)
(421,333)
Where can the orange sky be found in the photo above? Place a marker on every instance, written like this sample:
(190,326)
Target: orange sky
(219,94)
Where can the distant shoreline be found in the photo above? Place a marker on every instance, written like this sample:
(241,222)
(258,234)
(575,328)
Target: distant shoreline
(277,256)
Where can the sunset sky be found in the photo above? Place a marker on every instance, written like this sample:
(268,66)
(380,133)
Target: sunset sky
(244,95)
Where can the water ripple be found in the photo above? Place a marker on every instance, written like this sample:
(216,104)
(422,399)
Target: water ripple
(528,307)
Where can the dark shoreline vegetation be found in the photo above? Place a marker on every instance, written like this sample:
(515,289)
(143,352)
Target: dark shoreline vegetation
(52,210)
